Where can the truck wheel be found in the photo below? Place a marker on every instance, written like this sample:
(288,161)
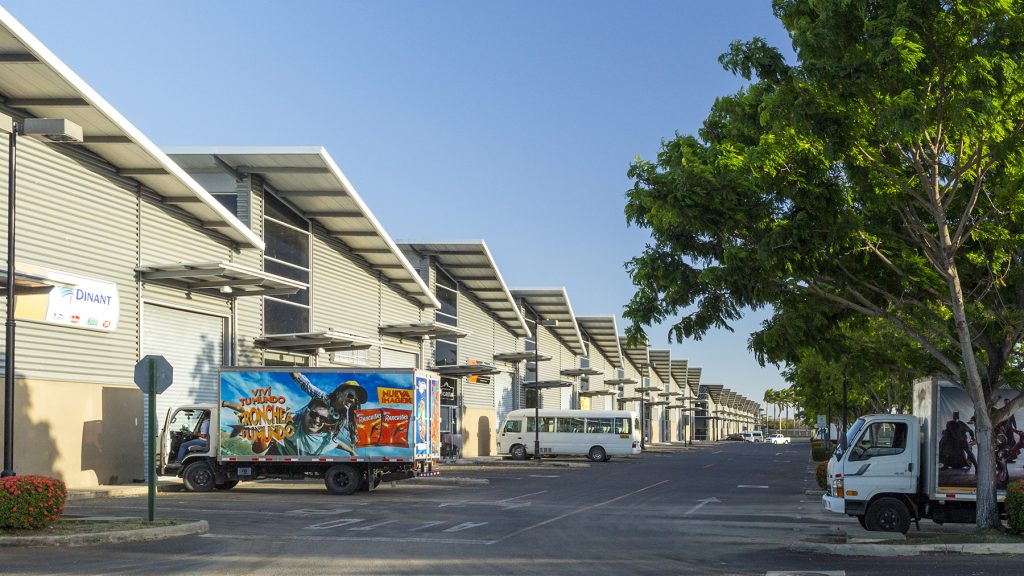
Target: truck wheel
(597,454)
(863,522)
(888,515)
(342,479)
(518,452)
(198,477)
(227,485)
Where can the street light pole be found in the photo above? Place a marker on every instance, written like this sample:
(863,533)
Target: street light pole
(12,162)
(536,388)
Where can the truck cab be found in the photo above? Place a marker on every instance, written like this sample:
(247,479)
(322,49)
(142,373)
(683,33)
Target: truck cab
(876,478)
(181,425)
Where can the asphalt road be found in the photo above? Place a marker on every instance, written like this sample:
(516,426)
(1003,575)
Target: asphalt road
(727,508)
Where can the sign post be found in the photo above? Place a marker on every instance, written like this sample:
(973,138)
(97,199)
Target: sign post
(153,375)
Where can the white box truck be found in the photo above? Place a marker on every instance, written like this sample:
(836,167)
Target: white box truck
(354,428)
(899,468)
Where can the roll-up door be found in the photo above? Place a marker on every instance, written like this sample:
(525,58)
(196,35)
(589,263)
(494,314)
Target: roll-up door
(194,345)
(398,359)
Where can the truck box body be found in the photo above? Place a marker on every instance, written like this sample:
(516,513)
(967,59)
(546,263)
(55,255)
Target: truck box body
(288,415)
(946,477)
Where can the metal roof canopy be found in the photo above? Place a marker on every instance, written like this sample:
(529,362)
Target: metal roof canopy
(630,399)
(34,80)
(548,384)
(677,368)
(620,381)
(521,356)
(471,265)
(215,276)
(638,356)
(553,304)
(693,379)
(590,393)
(328,341)
(580,372)
(28,280)
(647,389)
(308,179)
(714,391)
(661,362)
(604,334)
(422,330)
(658,403)
(459,370)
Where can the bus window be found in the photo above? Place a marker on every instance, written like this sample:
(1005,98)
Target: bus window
(599,425)
(622,426)
(547,424)
(514,426)
(570,425)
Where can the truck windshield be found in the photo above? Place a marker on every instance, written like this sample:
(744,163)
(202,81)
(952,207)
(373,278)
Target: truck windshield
(851,435)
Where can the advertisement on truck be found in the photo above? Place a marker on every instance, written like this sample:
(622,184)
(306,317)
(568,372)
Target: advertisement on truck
(956,460)
(320,413)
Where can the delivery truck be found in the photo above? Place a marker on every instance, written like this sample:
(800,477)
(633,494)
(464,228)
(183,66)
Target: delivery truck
(354,428)
(901,468)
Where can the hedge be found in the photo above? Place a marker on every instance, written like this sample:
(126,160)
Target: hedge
(821,474)
(31,501)
(1015,506)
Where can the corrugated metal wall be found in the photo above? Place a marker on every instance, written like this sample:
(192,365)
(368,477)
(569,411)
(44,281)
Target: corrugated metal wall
(549,345)
(478,346)
(77,221)
(249,310)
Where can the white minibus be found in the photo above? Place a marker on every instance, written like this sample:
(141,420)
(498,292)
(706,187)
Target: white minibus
(596,434)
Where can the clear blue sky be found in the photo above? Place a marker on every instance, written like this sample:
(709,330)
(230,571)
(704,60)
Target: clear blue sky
(514,122)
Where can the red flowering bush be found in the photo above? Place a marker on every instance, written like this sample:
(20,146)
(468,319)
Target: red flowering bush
(31,501)
(821,474)
(1015,506)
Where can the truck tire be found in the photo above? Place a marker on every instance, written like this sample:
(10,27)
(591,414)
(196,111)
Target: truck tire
(199,477)
(597,454)
(518,452)
(342,479)
(888,515)
(227,485)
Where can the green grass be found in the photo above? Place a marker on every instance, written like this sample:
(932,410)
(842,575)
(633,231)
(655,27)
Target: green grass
(70,527)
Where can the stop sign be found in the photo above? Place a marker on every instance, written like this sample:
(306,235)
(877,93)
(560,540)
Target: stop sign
(163,372)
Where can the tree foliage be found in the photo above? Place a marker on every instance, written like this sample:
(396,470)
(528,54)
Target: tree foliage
(877,177)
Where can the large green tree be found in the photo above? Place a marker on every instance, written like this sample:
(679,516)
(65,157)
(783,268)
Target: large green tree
(879,174)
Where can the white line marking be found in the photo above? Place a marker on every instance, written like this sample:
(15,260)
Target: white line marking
(427,525)
(334,523)
(372,526)
(543,476)
(523,496)
(702,503)
(356,539)
(574,512)
(707,466)
(465,526)
(751,486)
(320,511)
(718,452)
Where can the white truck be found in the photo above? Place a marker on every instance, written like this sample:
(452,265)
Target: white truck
(899,468)
(352,427)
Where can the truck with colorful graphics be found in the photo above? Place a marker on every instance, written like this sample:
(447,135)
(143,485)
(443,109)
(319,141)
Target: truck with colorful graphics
(895,469)
(354,428)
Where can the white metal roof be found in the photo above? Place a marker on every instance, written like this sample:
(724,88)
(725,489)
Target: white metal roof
(35,81)
(470,263)
(679,373)
(605,335)
(308,178)
(693,379)
(553,304)
(638,356)
(661,361)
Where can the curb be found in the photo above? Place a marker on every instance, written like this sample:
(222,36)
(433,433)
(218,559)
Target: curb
(449,481)
(884,550)
(140,535)
(512,464)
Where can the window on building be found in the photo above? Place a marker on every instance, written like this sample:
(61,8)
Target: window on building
(530,345)
(446,351)
(287,254)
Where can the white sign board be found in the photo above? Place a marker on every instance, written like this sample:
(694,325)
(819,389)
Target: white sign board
(68,300)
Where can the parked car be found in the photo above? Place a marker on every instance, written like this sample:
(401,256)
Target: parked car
(778,438)
(753,436)
(735,436)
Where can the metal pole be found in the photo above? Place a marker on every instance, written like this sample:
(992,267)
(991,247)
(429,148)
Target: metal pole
(151,432)
(536,389)
(12,159)
(643,418)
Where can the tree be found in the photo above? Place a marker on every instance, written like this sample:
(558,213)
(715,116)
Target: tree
(879,176)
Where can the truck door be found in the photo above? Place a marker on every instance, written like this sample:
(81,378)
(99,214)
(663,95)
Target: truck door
(879,460)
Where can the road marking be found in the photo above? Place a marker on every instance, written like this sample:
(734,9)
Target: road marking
(427,525)
(718,452)
(320,511)
(334,523)
(543,476)
(356,539)
(751,486)
(372,526)
(574,512)
(465,526)
(707,466)
(808,572)
(523,496)
(702,504)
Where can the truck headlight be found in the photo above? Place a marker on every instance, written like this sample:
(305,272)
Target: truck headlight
(837,487)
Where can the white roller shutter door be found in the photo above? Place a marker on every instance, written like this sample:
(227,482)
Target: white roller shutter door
(194,345)
(504,400)
(398,359)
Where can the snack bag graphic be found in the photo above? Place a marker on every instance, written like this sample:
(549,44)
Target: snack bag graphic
(395,427)
(368,427)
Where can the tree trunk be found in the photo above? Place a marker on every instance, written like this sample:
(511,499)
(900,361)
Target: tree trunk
(988,507)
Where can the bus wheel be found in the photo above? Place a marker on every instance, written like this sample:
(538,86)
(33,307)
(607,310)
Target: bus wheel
(597,454)
(518,452)
(342,479)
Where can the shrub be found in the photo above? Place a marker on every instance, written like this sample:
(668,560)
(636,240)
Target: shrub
(31,501)
(821,474)
(1015,505)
